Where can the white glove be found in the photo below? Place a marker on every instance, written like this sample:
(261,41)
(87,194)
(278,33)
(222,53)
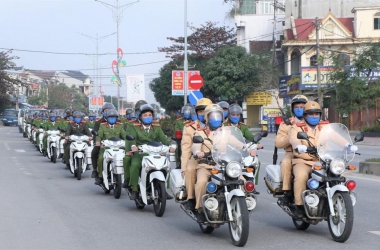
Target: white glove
(301,148)
(352,148)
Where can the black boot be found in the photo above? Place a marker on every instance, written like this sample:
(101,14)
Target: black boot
(168,196)
(134,195)
(98,181)
(94,174)
(125,183)
(67,166)
(189,204)
(286,199)
(88,167)
(200,216)
(300,211)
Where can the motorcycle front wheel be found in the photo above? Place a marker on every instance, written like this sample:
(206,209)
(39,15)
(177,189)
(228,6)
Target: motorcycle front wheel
(159,203)
(117,187)
(340,225)
(54,155)
(239,227)
(79,168)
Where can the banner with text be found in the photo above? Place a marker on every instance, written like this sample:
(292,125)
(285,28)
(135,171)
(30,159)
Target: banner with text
(178,78)
(135,87)
(309,77)
(259,98)
(95,102)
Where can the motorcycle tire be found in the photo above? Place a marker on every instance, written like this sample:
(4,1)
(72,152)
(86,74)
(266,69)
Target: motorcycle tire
(54,155)
(117,187)
(79,168)
(239,227)
(344,214)
(301,225)
(206,229)
(159,204)
(139,205)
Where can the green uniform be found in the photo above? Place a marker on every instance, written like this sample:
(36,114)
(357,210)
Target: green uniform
(37,125)
(243,128)
(107,131)
(73,128)
(49,126)
(96,149)
(91,124)
(142,136)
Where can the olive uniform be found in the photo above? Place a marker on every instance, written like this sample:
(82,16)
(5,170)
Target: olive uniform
(74,128)
(49,126)
(243,128)
(96,149)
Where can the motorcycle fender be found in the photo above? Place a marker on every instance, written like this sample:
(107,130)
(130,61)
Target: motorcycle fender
(156,175)
(235,192)
(330,193)
(105,172)
(78,155)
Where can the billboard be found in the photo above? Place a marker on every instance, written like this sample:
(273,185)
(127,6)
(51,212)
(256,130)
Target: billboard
(289,85)
(259,98)
(95,102)
(309,77)
(135,87)
(178,78)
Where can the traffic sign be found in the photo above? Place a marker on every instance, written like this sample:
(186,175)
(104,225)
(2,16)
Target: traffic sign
(196,82)
(194,96)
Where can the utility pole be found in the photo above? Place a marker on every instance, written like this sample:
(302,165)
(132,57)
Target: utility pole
(117,12)
(320,94)
(274,32)
(185,63)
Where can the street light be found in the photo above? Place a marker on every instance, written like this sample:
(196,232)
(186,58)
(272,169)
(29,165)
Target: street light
(96,40)
(117,12)
(185,63)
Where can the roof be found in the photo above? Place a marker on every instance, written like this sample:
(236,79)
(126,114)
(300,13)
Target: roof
(75,74)
(35,86)
(48,74)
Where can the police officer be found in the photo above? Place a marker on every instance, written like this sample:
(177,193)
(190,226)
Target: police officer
(178,126)
(282,141)
(109,129)
(79,125)
(137,107)
(225,106)
(214,120)
(95,151)
(233,119)
(64,123)
(91,120)
(188,163)
(53,124)
(143,132)
(193,114)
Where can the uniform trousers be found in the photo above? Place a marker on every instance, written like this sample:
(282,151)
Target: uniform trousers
(301,173)
(203,176)
(286,171)
(190,177)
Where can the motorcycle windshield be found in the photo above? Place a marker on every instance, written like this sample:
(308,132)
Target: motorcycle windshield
(332,143)
(228,145)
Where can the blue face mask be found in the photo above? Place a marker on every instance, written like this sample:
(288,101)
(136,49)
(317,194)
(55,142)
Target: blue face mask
(201,118)
(186,116)
(147,120)
(225,114)
(52,119)
(44,118)
(312,120)
(111,120)
(234,119)
(215,123)
(92,118)
(64,115)
(194,118)
(77,120)
(298,112)
(71,118)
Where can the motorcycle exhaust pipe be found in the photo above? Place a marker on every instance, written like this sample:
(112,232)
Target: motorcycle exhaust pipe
(312,200)
(211,204)
(251,202)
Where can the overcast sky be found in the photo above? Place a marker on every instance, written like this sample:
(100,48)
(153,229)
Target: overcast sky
(54,26)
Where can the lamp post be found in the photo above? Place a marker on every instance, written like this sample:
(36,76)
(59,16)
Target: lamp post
(97,40)
(185,63)
(117,12)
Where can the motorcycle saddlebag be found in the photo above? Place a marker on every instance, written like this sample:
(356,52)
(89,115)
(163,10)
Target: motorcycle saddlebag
(273,178)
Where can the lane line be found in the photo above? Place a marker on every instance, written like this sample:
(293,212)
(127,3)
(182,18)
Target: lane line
(362,178)
(20,150)
(374,232)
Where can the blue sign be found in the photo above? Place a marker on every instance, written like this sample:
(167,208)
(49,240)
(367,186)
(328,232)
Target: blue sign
(194,96)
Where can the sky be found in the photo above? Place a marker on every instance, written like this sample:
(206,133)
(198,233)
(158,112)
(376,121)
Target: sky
(57,25)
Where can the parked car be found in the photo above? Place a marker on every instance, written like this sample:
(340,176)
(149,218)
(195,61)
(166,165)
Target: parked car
(10,117)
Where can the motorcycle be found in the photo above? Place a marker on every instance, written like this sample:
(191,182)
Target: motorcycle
(40,147)
(52,144)
(228,197)
(78,154)
(329,195)
(113,170)
(154,173)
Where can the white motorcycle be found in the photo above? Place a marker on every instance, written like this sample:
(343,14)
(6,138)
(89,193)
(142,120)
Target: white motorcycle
(328,195)
(40,147)
(153,176)
(79,154)
(113,170)
(52,144)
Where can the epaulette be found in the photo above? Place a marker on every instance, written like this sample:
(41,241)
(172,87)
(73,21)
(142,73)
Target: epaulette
(98,119)
(83,121)
(324,122)
(103,123)
(136,124)
(156,124)
(119,123)
(189,124)
(178,119)
(300,124)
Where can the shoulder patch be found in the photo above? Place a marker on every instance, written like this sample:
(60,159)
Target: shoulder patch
(324,122)
(178,119)
(136,124)
(189,124)
(156,124)
(119,123)
(300,124)
(103,123)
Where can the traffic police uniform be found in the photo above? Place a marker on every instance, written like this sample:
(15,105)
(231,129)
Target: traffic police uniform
(74,128)
(49,126)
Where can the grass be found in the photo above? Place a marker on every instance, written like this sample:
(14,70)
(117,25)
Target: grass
(373,160)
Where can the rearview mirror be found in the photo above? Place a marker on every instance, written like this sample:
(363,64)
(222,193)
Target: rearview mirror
(130,137)
(359,137)
(302,136)
(264,133)
(257,137)
(198,139)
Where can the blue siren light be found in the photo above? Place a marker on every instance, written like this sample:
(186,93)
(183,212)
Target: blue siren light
(313,184)
(211,187)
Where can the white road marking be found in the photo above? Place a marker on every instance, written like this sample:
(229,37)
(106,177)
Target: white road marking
(20,150)
(363,178)
(375,232)
(7,146)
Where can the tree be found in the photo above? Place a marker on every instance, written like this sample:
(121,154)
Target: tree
(162,89)
(203,43)
(355,88)
(231,74)
(7,84)
(39,99)
(61,96)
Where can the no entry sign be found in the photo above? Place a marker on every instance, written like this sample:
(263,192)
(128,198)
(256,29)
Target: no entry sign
(196,82)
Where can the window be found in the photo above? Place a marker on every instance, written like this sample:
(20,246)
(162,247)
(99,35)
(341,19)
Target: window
(329,30)
(344,59)
(266,6)
(376,21)
(314,61)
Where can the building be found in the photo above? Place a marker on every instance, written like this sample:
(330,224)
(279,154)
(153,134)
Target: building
(78,79)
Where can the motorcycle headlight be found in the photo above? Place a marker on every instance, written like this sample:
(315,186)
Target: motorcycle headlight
(337,166)
(233,169)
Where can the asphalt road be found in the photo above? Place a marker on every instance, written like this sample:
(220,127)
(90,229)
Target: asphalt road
(44,207)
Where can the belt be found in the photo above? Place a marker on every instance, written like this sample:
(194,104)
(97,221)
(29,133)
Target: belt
(208,162)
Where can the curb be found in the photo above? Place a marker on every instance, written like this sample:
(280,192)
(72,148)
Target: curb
(370,168)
